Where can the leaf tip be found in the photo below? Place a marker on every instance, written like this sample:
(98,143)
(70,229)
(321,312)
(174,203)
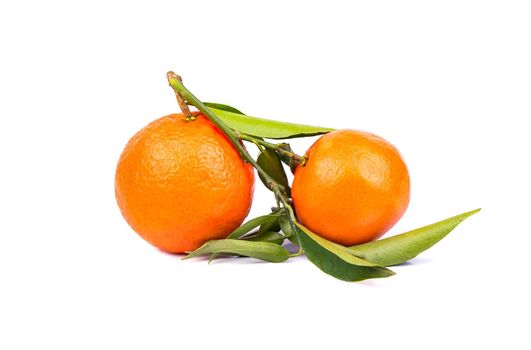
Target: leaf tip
(387,272)
(472,212)
(190,255)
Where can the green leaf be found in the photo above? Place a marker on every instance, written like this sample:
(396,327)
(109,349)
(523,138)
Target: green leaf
(223,107)
(270,163)
(400,248)
(267,236)
(288,227)
(335,260)
(285,224)
(252,224)
(270,225)
(266,251)
(271,129)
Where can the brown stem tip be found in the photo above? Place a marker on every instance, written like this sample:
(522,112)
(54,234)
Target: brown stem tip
(180,100)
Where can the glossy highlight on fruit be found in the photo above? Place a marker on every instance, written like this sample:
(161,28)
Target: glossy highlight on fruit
(354,187)
(181,182)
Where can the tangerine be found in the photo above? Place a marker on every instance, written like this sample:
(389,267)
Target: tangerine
(353,188)
(180,183)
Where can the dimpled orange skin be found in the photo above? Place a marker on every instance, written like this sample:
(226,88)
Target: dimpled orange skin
(180,183)
(353,188)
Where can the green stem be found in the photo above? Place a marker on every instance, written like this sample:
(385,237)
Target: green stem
(275,147)
(183,92)
(298,253)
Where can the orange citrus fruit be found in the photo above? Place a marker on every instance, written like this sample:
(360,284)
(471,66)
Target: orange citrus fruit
(353,188)
(180,183)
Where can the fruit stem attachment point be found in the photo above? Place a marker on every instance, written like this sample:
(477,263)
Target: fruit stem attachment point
(180,100)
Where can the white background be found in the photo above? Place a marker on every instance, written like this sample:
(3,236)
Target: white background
(449,83)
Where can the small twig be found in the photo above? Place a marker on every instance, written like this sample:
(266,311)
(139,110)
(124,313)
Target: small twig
(279,148)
